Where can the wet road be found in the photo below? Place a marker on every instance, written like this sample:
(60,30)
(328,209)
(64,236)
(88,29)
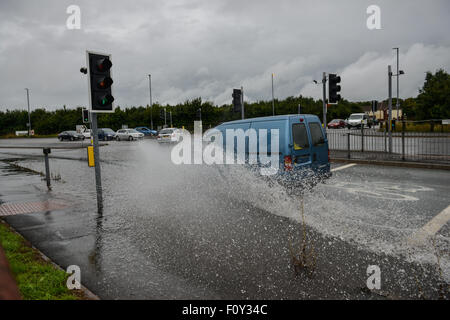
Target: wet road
(192,231)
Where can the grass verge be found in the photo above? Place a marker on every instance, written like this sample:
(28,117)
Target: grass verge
(36,278)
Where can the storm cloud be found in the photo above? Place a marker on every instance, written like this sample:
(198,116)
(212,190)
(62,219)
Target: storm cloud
(204,48)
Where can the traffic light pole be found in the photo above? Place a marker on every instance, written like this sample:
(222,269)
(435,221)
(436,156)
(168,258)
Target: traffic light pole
(324,82)
(98,176)
(242,103)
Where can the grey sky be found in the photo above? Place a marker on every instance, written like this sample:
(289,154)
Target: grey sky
(207,47)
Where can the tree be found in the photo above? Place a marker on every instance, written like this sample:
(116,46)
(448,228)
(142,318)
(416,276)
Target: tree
(433,101)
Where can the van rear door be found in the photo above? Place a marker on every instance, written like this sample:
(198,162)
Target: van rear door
(319,145)
(300,143)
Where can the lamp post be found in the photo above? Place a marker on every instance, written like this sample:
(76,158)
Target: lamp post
(399,72)
(151,103)
(273,101)
(29,116)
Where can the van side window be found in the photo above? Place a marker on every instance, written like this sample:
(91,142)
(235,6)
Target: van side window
(300,136)
(316,133)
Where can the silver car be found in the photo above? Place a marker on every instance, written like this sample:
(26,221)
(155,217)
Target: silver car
(171,135)
(128,134)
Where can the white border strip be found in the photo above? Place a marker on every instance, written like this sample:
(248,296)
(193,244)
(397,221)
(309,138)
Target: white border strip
(431,228)
(343,167)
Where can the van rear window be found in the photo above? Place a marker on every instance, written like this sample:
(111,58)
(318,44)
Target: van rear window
(299,136)
(316,133)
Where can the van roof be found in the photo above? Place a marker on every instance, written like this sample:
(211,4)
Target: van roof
(271,118)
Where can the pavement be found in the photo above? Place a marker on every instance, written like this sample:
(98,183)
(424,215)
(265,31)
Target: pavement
(204,232)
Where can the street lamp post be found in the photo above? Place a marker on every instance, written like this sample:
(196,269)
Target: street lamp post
(273,102)
(399,73)
(390,107)
(29,116)
(151,102)
(397,103)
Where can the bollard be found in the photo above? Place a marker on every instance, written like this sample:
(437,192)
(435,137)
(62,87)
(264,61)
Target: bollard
(348,145)
(47,169)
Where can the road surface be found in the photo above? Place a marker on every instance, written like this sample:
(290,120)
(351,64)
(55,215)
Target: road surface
(203,232)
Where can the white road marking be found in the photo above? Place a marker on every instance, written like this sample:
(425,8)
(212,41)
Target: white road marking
(343,167)
(431,228)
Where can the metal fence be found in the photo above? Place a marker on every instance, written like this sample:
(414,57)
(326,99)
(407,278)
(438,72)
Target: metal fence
(376,144)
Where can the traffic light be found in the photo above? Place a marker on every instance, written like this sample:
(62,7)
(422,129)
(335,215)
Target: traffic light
(237,100)
(334,88)
(100,82)
(162,114)
(374,106)
(199,114)
(86,118)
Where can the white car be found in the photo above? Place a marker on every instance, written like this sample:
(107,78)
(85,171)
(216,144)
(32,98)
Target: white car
(169,135)
(87,134)
(128,134)
(357,119)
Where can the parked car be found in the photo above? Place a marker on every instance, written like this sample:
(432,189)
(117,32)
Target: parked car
(70,135)
(336,124)
(106,134)
(146,131)
(128,134)
(356,120)
(302,143)
(169,135)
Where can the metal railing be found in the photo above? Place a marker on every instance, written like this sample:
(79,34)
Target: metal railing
(374,144)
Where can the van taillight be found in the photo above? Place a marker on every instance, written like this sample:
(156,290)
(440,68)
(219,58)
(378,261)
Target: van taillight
(287,163)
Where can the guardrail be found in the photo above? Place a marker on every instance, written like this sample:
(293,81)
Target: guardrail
(374,144)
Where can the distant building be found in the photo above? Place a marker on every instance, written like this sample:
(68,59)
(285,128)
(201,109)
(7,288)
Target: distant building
(383,111)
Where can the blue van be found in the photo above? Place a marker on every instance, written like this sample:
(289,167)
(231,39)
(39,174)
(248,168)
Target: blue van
(303,143)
